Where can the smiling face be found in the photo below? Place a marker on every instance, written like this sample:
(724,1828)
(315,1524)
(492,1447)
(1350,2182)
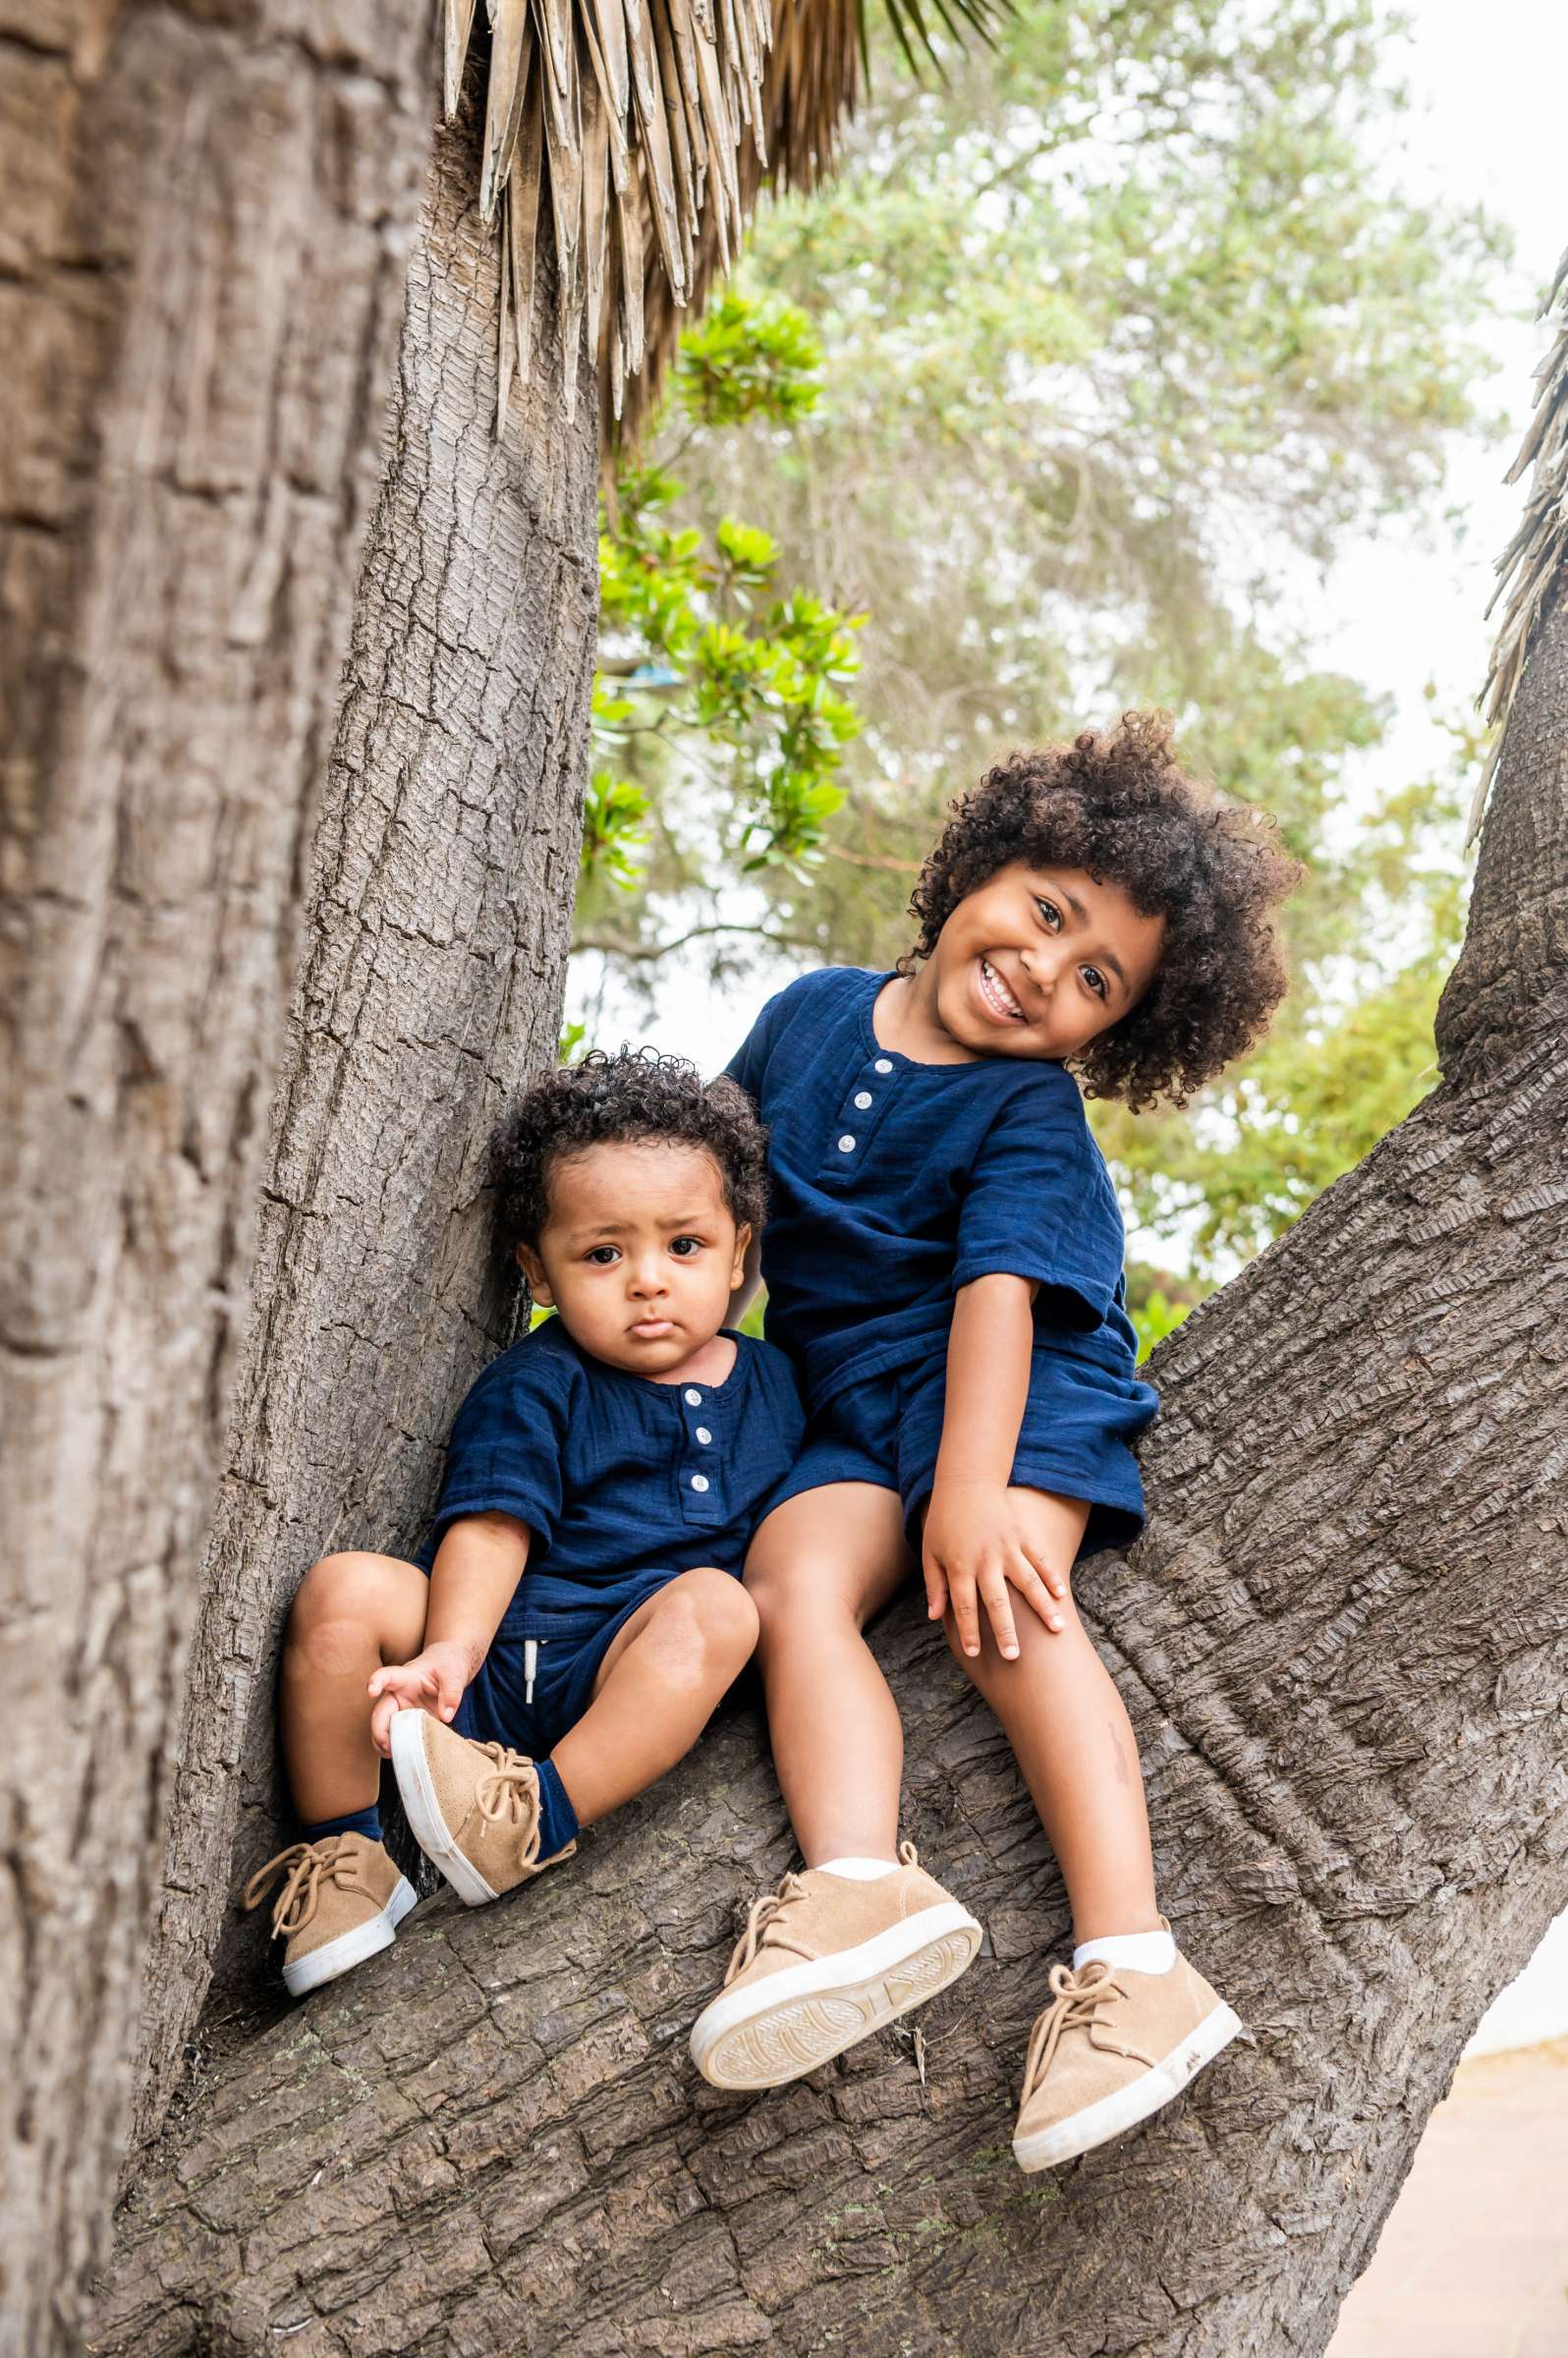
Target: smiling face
(640,1252)
(1035,962)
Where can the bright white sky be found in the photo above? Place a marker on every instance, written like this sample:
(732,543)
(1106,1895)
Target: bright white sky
(1486,128)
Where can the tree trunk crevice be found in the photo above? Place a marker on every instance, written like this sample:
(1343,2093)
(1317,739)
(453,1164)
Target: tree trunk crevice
(203,232)
(437,913)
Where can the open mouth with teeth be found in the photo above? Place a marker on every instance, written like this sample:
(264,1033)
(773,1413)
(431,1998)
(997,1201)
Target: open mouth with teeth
(998,998)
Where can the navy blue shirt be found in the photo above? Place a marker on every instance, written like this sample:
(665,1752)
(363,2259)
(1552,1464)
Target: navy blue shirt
(892,1184)
(617,1476)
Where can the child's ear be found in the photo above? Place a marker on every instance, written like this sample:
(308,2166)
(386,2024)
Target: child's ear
(532,1270)
(743,1245)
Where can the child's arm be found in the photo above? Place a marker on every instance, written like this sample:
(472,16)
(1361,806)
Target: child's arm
(975,1543)
(477,1566)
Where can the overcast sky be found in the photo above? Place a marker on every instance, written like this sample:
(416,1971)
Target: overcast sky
(1487,127)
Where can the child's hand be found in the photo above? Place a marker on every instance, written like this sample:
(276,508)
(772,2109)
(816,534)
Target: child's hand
(977,1547)
(432,1682)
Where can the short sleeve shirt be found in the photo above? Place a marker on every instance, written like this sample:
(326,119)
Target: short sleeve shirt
(616,1475)
(894,1183)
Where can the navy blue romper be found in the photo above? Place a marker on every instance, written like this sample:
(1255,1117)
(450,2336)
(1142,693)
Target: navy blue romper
(623,1483)
(892,1184)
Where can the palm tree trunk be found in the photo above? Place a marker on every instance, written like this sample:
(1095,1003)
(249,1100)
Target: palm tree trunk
(202,225)
(438,911)
(1344,1647)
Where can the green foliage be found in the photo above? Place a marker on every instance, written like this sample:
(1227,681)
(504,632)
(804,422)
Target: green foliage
(702,651)
(740,361)
(613,813)
(1155,1316)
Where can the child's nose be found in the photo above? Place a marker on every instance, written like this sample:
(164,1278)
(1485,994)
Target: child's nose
(646,1278)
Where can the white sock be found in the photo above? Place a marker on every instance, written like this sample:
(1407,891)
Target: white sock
(860,1871)
(1141,1952)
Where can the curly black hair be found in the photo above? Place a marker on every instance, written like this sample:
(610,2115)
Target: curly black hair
(1118,806)
(605,1100)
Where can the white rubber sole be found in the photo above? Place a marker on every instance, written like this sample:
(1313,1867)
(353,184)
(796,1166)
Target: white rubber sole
(417,1789)
(769,2034)
(351,1948)
(1097,2124)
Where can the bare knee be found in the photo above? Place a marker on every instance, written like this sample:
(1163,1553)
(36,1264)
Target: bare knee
(704,1631)
(795,1595)
(344,1608)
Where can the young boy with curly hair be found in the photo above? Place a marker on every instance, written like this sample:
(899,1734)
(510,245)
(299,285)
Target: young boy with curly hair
(578,1611)
(943,1257)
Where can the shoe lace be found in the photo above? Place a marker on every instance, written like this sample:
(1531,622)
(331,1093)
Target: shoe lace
(763,1912)
(509,1795)
(1078,2001)
(305,1867)
(766,1910)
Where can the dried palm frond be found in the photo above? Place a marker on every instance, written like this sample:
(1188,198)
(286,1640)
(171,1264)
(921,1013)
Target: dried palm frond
(651,126)
(1532,563)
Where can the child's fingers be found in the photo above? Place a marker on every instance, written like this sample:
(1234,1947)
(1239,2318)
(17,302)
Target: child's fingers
(935,1591)
(998,1607)
(1050,1572)
(1030,1586)
(381,1725)
(448,1695)
(965,1611)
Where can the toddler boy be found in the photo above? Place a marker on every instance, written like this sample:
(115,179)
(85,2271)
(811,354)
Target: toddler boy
(577,1612)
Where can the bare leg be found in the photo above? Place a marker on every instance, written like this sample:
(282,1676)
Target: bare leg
(819,1567)
(352,1613)
(1074,1741)
(670,1666)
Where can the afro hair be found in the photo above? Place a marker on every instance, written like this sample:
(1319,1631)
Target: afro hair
(613,1099)
(1118,806)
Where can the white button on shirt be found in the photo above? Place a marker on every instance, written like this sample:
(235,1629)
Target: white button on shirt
(883,1064)
(846,1144)
(695,1398)
(702,1434)
(700,1481)
(862,1097)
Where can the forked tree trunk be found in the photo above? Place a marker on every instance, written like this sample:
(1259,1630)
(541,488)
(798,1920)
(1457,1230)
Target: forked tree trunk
(1343,1645)
(438,911)
(204,218)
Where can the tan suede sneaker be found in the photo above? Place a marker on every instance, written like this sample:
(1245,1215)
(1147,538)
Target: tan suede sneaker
(474,1808)
(342,1899)
(822,1963)
(1111,2048)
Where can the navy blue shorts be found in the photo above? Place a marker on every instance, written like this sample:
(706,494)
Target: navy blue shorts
(1075,1439)
(571,1625)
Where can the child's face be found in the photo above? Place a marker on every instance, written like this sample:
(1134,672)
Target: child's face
(1039,960)
(640,1252)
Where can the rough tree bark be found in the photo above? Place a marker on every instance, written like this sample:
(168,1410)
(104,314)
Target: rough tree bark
(438,918)
(1343,1645)
(204,217)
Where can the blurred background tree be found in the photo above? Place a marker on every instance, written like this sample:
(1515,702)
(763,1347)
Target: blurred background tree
(1025,418)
